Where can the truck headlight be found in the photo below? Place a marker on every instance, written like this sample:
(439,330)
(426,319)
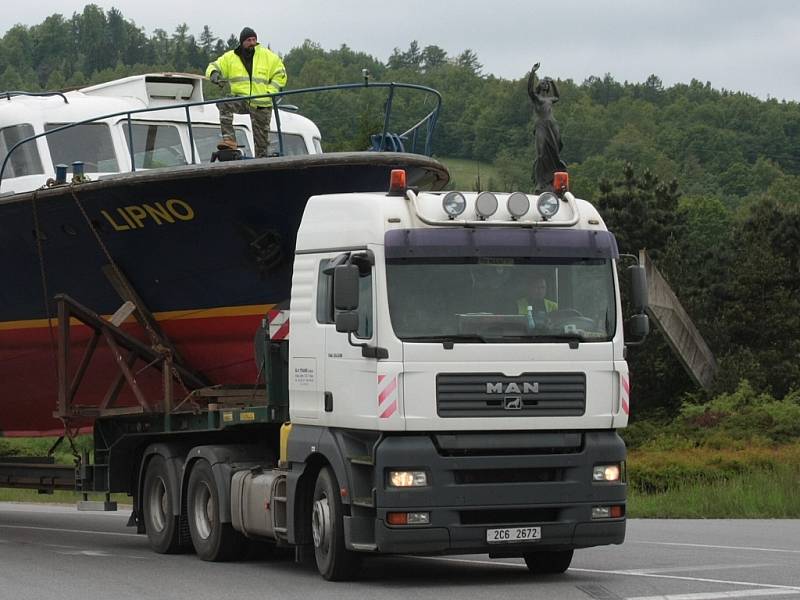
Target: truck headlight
(403,479)
(606,473)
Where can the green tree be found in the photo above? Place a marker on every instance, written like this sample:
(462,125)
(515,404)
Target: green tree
(641,211)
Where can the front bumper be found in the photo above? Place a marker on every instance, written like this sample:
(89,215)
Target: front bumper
(472,490)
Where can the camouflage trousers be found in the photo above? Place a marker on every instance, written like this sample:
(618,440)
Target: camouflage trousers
(259,117)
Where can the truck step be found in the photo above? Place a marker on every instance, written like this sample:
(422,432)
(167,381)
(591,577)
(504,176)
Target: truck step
(365,547)
(361,460)
(364,501)
(97,505)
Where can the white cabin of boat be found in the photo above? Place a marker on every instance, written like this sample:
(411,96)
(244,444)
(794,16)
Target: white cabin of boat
(160,138)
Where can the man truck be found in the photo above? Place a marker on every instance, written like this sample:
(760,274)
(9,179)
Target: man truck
(414,395)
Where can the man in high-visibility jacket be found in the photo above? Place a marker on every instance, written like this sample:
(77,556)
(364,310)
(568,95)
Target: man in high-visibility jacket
(535,298)
(250,69)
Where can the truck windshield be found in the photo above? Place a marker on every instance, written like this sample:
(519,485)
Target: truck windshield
(502,300)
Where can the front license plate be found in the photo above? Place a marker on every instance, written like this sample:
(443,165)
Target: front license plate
(513,535)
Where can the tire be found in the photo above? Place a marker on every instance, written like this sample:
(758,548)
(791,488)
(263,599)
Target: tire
(212,540)
(548,563)
(160,522)
(334,561)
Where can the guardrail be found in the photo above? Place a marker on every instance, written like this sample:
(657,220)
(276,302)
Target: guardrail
(427,123)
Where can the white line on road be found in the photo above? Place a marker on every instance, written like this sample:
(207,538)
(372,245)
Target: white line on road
(713,546)
(70,509)
(752,584)
(699,568)
(718,595)
(70,530)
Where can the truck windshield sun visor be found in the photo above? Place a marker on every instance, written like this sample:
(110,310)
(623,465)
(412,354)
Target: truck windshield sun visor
(490,242)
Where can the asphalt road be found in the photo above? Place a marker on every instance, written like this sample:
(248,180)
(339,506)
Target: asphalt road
(56,552)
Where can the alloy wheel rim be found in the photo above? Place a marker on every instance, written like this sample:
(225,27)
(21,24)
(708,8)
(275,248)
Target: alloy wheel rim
(204,511)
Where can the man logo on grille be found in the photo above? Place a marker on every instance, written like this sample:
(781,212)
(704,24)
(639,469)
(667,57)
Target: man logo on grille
(512,403)
(512,388)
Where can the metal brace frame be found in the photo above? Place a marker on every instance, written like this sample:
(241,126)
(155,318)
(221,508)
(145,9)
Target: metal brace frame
(126,350)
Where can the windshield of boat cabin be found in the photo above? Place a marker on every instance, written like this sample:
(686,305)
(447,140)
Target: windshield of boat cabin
(90,143)
(206,138)
(25,159)
(155,145)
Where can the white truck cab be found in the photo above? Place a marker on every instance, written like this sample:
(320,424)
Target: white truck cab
(458,360)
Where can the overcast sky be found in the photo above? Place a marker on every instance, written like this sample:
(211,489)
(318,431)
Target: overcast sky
(743,45)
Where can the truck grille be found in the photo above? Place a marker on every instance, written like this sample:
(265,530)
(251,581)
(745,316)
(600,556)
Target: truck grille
(497,395)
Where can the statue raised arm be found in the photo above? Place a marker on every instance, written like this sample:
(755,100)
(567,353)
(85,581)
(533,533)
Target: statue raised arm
(544,94)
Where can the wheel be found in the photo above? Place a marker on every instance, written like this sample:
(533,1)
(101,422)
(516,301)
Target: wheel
(553,562)
(212,539)
(334,561)
(160,522)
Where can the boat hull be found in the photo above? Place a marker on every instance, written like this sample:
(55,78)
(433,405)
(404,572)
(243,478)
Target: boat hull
(208,249)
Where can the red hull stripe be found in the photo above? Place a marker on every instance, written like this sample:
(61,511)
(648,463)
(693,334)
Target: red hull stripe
(45,433)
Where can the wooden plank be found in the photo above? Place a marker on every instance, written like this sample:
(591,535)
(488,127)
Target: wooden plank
(675,323)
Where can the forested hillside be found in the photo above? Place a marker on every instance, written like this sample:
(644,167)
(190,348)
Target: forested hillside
(707,180)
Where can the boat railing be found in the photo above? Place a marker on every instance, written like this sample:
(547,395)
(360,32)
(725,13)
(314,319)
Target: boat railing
(420,134)
(10,95)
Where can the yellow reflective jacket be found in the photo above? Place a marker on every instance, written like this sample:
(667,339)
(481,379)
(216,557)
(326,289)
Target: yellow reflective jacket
(523,303)
(269,74)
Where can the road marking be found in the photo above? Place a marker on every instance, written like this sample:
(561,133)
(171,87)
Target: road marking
(699,568)
(69,509)
(752,584)
(100,553)
(717,595)
(70,530)
(715,547)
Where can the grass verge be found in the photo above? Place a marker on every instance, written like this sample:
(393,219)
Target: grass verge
(756,482)
(464,173)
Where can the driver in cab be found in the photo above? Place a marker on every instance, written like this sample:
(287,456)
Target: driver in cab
(535,297)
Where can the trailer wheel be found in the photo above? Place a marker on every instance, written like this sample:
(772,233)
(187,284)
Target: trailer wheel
(548,563)
(212,539)
(334,561)
(160,522)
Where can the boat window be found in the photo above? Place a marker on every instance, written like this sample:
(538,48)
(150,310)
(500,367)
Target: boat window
(318,145)
(293,144)
(155,145)
(90,143)
(206,138)
(25,159)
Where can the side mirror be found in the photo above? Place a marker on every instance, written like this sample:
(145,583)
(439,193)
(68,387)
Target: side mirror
(638,327)
(639,299)
(345,288)
(347,322)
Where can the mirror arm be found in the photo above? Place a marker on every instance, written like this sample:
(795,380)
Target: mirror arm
(368,351)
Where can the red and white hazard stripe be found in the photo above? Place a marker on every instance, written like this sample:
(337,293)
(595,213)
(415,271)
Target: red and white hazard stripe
(387,396)
(625,392)
(278,325)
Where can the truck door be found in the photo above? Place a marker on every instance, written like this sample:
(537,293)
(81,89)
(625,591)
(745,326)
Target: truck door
(350,378)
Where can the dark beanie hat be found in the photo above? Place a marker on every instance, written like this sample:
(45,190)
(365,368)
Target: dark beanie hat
(246,33)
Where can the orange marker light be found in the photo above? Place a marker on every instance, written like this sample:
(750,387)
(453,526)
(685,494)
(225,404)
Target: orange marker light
(397,518)
(616,511)
(397,182)
(561,181)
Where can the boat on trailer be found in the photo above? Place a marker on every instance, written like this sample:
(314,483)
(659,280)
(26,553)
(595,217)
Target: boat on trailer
(203,250)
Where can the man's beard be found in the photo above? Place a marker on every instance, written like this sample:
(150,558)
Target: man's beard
(249,51)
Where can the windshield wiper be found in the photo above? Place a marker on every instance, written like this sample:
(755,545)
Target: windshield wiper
(459,337)
(572,338)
